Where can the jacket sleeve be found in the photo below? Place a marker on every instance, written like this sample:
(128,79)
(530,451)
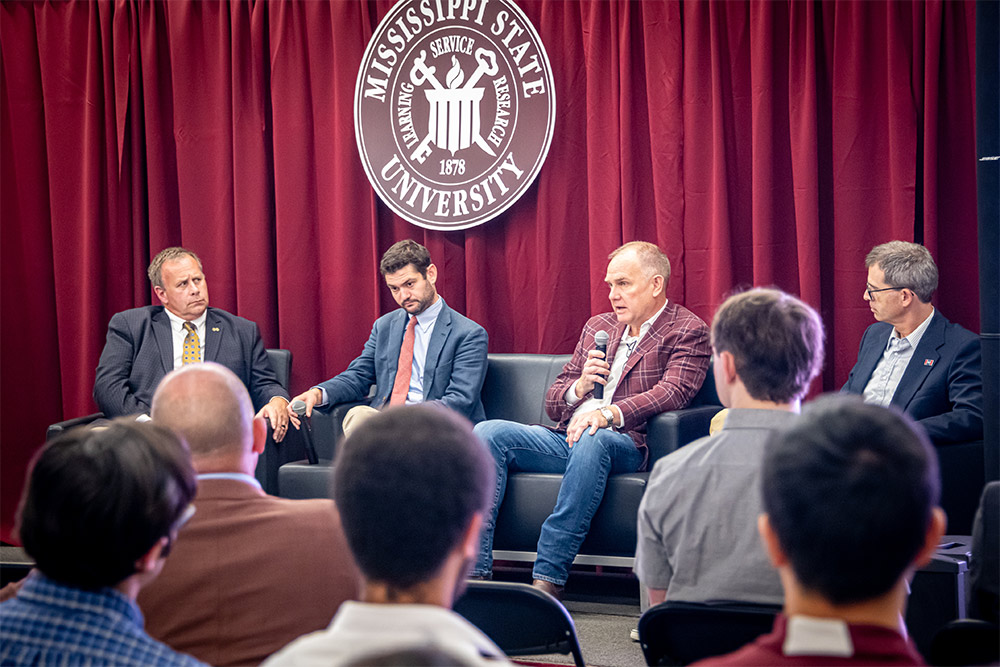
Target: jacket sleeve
(112,389)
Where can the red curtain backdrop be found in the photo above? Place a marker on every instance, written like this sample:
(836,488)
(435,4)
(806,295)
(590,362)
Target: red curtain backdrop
(757,142)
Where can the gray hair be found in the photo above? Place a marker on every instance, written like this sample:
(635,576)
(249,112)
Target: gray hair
(155,270)
(652,260)
(908,265)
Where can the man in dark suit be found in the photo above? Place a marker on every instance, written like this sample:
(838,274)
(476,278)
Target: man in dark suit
(250,572)
(146,343)
(913,357)
(657,356)
(425,352)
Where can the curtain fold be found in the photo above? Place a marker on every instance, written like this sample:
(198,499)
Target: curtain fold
(757,142)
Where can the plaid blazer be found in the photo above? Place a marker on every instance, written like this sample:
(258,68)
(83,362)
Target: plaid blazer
(664,373)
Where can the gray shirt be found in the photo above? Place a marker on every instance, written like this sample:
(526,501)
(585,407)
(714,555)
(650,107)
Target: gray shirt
(698,519)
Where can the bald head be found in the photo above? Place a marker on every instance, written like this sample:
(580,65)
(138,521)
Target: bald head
(208,406)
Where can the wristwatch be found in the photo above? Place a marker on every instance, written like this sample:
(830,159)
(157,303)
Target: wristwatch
(609,416)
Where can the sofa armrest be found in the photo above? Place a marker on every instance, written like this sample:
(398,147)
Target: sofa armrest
(61,427)
(669,431)
(327,427)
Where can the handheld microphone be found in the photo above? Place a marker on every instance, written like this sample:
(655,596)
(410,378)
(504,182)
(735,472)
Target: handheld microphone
(299,408)
(600,344)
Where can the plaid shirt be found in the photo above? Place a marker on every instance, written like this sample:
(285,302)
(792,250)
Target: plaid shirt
(664,373)
(48,624)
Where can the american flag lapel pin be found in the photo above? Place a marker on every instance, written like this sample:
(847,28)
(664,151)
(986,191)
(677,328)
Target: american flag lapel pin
(928,362)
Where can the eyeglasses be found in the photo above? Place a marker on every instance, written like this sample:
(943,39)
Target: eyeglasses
(172,535)
(873,292)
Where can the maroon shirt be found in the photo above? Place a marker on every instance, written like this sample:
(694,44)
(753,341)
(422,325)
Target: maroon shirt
(873,645)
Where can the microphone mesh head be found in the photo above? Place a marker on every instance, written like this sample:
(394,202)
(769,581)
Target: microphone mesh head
(299,407)
(601,338)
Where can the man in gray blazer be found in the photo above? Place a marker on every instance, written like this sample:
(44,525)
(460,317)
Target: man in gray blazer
(146,343)
(424,352)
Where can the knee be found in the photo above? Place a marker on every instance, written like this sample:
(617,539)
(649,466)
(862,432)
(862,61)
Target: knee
(487,431)
(590,448)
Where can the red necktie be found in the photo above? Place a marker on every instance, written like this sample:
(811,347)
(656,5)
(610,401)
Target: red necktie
(405,367)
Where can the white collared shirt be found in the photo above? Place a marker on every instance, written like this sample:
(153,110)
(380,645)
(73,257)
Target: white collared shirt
(890,368)
(179,333)
(809,635)
(626,346)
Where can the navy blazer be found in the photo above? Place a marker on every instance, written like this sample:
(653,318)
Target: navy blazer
(453,371)
(942,386)
(140,351)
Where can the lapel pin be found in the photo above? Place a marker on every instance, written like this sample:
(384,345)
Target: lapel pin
(928,362)
(217,328)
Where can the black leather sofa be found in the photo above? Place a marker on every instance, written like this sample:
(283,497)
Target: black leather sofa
(514,389)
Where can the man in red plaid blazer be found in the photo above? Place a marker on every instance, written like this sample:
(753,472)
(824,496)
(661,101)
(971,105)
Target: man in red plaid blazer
(658,353)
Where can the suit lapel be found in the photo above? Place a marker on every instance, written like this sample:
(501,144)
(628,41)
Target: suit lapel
(213,335)
(649,342)
(921,363)
(164,339)
(442,329)
(870,358)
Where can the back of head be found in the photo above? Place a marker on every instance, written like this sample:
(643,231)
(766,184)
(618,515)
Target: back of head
(97,499)
(403,253)
(208,406)
(849,490)
(908,265)
(776,341)
(407,483)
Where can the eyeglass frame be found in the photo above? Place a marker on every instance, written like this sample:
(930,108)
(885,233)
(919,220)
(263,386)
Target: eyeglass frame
(872,292)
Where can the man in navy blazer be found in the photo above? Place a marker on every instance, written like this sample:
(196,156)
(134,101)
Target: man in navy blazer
(146,343)
(448,350)
(914,358)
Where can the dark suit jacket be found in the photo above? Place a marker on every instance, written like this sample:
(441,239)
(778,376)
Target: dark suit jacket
(453,370)
(140,351)
(664,372)
(941,388)
(248,574)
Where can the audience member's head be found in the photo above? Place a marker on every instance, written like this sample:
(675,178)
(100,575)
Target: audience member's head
(210,408)
(905,265)
(775,342)
(99,501)
(850,494)
(411,485)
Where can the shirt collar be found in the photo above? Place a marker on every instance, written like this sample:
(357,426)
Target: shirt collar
(429,315)
(914,338)
(177,323)
(645,326)
(808,635)
(236,476)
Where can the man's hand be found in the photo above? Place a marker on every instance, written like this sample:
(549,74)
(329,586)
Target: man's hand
(310,398)
(276,413)
(588,421)
(595,371)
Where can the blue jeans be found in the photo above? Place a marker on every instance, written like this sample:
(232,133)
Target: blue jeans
(585,468)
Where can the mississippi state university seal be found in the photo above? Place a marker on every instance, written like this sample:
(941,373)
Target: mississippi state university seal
(453,110)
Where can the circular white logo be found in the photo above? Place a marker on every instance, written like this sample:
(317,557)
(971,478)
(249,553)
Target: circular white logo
(454,110)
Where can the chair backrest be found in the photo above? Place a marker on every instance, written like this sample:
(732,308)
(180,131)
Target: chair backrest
(520,619)
(679,633)
(707,395)
(281,363)
(515,386)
